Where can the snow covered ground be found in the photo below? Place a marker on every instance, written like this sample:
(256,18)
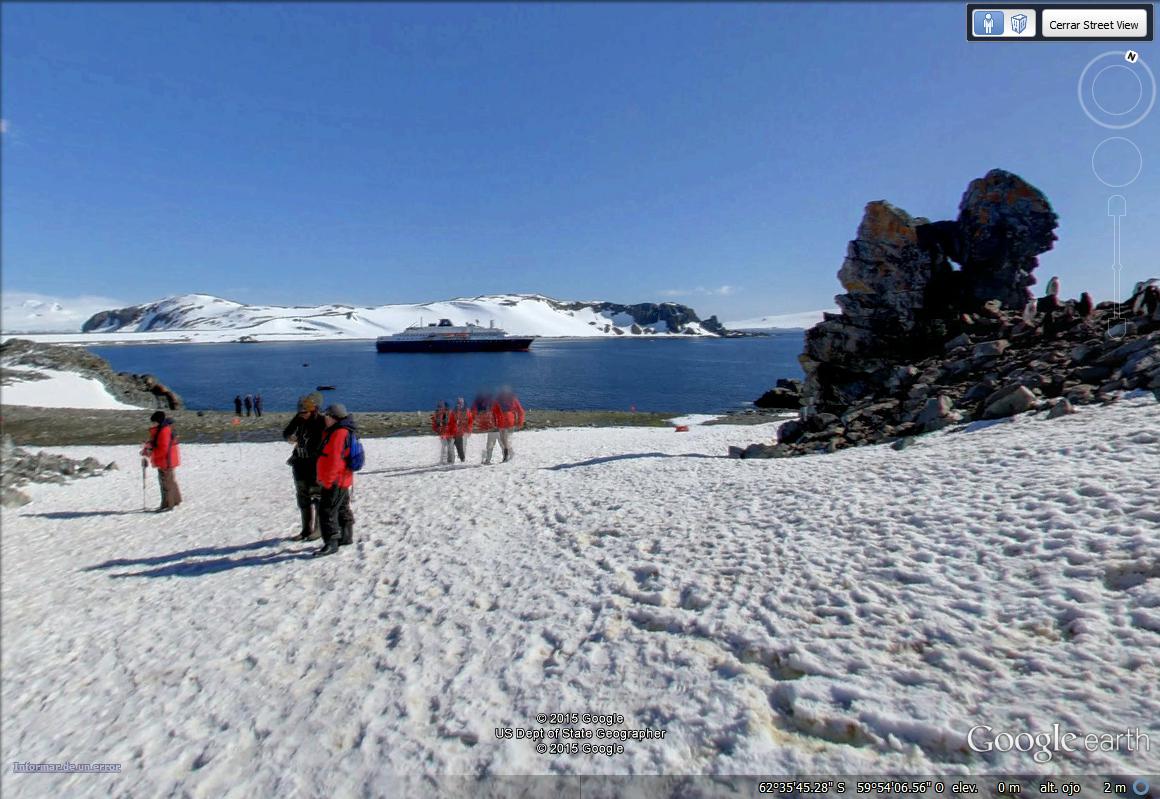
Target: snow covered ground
(846,613)
(61,389)
(789,321)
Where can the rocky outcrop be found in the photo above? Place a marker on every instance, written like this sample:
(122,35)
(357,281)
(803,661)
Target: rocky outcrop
(21,358)
(786,394)
(112,320)
(21,467)
(670,316)
(904,297)
(921,345)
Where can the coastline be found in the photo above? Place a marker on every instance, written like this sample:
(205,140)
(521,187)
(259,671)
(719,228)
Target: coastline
(59,427)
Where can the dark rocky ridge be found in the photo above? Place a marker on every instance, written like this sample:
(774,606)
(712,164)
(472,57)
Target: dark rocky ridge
(920,345)
(19,357)
(672,315)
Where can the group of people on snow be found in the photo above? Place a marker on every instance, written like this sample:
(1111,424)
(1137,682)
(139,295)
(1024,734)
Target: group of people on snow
(250,402)
(323,475)
(327,453)
(497,416)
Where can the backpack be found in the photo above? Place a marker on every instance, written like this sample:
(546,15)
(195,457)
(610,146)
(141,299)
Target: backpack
(355,456)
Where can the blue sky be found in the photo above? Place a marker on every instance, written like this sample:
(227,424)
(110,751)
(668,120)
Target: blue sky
(718,155)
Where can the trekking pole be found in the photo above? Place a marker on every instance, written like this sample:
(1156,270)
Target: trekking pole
(144,502)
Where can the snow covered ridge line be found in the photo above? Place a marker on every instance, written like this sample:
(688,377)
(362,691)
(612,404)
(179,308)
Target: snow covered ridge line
(201,317)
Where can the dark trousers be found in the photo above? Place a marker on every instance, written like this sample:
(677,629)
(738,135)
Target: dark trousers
(308,492)
(334,508)
(170,493)
(459,448)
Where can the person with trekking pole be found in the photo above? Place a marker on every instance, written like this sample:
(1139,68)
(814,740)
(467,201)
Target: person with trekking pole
(163,451)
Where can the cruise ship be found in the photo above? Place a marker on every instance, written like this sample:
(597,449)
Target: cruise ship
(446,337)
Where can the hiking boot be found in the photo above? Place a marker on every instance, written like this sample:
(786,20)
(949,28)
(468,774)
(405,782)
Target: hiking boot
(329,549)
(309,525)
(347,536)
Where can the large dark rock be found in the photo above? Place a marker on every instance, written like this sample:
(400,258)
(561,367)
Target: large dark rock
(904,299)
(1004,223)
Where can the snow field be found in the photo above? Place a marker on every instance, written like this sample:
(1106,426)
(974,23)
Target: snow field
(62,389)
(849,613)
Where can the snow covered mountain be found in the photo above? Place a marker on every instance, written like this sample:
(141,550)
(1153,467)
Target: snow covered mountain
(23,312)
(789,321)
(201,317)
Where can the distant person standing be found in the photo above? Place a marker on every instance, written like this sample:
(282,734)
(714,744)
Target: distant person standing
(461,421)
(237,405)
(336,480)
(441,426)
(257,405)
(163,452)
(484,422)
(248,402)
(509,417)
(306,431)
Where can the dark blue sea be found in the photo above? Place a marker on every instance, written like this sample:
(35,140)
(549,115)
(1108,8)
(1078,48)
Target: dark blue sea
(681,375)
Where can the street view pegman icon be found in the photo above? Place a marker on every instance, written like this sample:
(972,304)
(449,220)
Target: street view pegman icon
(988,23)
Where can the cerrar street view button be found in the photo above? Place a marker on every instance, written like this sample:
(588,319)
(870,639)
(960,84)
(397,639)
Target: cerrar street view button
(1095,23)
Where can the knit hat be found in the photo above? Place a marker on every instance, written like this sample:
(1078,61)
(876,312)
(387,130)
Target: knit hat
(337,411)
(306,404)
(158,417)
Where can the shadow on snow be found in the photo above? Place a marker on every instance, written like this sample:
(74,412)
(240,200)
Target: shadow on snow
(626,457)
(190,563)
(82,514)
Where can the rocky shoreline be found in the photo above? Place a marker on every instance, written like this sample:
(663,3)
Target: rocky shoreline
(920,345)
(21,359)
(56,427)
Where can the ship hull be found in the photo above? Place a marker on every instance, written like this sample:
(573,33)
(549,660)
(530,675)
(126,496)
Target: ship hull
(513,344)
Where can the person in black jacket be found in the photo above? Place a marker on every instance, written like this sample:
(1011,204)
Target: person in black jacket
(249,403)
(257,405)
(237,405)
(306,431)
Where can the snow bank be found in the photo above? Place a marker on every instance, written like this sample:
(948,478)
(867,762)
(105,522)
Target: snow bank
(792,321)
(61,389)
(850,613)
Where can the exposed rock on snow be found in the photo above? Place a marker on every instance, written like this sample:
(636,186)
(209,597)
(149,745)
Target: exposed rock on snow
(21,467)
(919,346)
(55,376)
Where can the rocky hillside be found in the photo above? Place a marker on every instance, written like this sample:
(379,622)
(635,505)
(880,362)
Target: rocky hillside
(24,360)
(921,345)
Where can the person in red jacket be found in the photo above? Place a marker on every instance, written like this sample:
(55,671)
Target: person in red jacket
(483,422)
(441,426)
(336,480)
(462,418)
(163,452)
(508,415)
